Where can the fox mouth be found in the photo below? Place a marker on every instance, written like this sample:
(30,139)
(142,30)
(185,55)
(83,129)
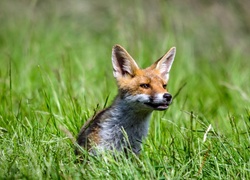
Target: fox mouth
(158,106)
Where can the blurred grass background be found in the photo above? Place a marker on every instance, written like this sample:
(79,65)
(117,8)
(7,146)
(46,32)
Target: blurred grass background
(55,67)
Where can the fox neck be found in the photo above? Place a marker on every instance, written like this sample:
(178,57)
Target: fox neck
(131,110)
(125,116)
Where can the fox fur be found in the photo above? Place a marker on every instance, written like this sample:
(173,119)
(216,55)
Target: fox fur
(124,124)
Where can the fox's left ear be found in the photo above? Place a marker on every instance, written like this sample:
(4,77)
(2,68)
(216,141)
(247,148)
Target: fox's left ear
(123,63)
(164,63)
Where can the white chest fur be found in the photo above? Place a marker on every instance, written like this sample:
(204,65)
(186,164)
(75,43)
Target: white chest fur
(125,128)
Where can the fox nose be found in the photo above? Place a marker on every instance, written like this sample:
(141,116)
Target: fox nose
(167,96)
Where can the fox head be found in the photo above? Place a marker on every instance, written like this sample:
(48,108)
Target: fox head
(145,88)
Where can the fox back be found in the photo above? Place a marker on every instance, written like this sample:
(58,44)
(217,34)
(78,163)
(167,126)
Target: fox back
(124,124)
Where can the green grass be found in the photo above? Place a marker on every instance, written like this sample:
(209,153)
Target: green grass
(55,70)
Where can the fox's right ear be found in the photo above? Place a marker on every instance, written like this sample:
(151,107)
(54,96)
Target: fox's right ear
(123,63)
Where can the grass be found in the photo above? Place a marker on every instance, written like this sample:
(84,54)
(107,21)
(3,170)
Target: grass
(55,70)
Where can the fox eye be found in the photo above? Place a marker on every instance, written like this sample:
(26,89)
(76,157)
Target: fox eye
(164,86)
(145,86)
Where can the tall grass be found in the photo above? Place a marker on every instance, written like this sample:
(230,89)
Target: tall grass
(55,70)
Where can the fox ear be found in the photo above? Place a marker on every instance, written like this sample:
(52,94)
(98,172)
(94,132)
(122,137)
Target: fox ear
(164,63)
(123,63)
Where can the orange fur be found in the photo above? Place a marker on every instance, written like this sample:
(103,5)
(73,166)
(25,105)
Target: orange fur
(140,91)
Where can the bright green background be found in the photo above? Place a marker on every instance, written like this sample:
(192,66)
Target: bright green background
(55,70)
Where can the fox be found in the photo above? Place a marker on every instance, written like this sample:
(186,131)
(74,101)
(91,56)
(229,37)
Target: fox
(124,124)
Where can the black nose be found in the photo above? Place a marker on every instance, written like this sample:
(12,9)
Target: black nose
(167,96)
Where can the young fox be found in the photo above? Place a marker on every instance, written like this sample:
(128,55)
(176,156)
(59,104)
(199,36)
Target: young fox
(124,124)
